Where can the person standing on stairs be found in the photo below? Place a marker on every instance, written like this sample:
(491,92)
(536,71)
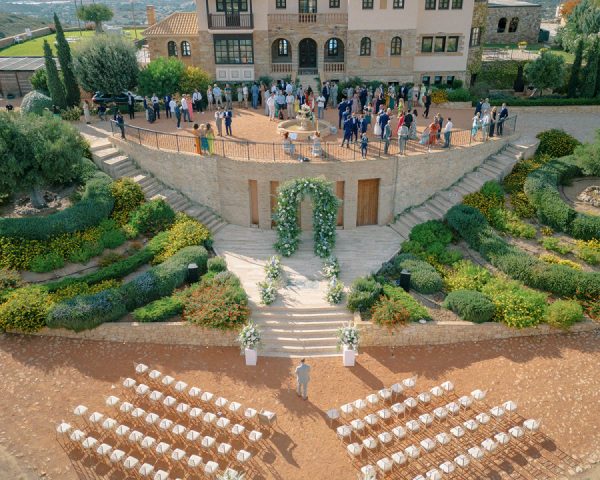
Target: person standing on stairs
(302,379)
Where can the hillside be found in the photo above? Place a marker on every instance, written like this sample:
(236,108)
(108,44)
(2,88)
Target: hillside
(11,24)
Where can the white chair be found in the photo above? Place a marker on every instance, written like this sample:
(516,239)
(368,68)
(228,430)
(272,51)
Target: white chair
(347,409)
(206,397)
(142,389)
(437,392)
(516,432)
(237,430)
(410,382)
(109,424)
(146,470)
(161,475)
(63,428)
(135,437)
(384,414)
(344,432)
(178,430)
(250,414)
(333,415)
(370,443)
(471,425)
(385,394)
(140,368)
(243,456)
(424,398)
(426,419)
(234,408)
(126,407)
(384,438)
(117,456)
(221,402)
(410,403)
(433,474)
(357,425)
(478,395)
(89,443)
(167,381)
(162,448)
(129,383)
(368,471)
(178,454)
(194,461)
(207,442)
(465,401)
(371,419)
(156,396)
(211,468)
(154,375)
(112,401)
(443,438)
(147,442)
(359,404)
(476,453)
(489,445)
(452,408)
(354,449)
(457,431)
(399,458)
(502,438)
(385,465)
(180,387)
(96,417)
(80,411)
(510,407)
(497,412)
(77,436)
(170,401)
(440,413)
(462,461)
(195,413)
(397,388)
(399,409)
(428,445)
(194,392)
(130,463)
(104,450)
(165,424)
(413,426)
(531,425)
(224,449)
(182,408)
(447,386)
(399,432)
(192,435)
(223,423)
(372,400)
(482,418)
(209,418)
(138,413)
(412,452)
(255,436)
(152,419)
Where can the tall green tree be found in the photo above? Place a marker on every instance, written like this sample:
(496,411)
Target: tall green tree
(55,84)
(575,70)
(582,24)
(66,65)
(547,71)
(95,12)
(37,151)
(161,76)
(106,63)
(589,80)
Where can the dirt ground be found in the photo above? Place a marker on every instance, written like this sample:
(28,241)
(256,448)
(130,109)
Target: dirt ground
(553,378)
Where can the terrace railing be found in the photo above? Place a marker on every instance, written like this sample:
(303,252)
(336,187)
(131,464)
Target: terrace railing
(331,150)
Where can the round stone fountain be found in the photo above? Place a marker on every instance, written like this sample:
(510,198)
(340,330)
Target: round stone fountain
(304,125)
(590,195)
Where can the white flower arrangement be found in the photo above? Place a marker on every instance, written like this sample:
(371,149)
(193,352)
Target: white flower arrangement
(231,475)
(273,268)
(348,335)
(331,267)
(268,291)
(335,291)
(249,337)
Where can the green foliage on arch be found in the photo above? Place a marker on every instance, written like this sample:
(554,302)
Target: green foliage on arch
(325,207)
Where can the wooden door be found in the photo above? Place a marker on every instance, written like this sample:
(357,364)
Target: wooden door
(339,192)
(367,202)
(253,189)
(274,187)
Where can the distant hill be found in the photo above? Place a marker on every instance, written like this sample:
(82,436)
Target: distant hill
(11,24)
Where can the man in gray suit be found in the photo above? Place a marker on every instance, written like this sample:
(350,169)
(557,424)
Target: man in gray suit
(302,378)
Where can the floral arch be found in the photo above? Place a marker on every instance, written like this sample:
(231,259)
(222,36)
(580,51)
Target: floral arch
(325,207)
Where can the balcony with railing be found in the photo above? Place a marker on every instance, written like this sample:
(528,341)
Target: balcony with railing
(230,21)
(318,19)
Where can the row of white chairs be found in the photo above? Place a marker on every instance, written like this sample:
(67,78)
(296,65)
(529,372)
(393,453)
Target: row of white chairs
(477,453)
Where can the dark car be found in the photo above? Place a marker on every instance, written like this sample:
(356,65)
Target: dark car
(119,99)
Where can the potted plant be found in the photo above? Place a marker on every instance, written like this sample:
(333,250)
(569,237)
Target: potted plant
(522,45)
(348,337)
(273,268)
(249,339)
(268,291)
(335,291)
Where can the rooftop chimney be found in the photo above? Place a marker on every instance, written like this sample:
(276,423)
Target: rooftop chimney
(150,15)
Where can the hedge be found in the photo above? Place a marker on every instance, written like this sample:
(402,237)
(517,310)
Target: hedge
(557,279)
(416,310)
(470,305)
(96,205)
(89,311)
(423,277)
(364,293)
(159,310)
(542,102)
(541,190)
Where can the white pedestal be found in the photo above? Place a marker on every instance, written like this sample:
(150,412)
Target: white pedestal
(349,357)
(251,356)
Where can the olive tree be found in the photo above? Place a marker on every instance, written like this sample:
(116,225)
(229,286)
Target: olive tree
(95,12)
(547,71)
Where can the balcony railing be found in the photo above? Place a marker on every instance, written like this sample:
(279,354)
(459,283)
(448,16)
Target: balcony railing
(230,21)
(281,67)
(334,67)
(324,19)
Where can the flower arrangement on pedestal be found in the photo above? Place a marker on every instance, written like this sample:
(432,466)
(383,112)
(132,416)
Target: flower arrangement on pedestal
(335,291)
(325,207)
(249,337)
(268,291)
(348,336)
(331,267)
(273,268)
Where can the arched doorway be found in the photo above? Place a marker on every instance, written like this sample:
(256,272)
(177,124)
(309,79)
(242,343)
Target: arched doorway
(307,54)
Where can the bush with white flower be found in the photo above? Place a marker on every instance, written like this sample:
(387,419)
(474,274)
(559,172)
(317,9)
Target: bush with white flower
(268,291)
(249,337)
(231,475)
(348,335)
(325,207)
(331,267)
(335,291)
(273,268)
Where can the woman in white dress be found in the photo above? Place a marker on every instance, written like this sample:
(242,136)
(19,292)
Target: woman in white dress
(377,126)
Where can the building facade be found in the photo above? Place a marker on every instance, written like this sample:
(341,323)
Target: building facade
(513,21)
(391,40)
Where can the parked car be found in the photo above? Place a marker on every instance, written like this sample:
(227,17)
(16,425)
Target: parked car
(119,99)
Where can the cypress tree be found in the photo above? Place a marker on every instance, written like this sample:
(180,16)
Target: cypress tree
(66,65)
(55,85)
(597,48)
(590,72)
(574,78)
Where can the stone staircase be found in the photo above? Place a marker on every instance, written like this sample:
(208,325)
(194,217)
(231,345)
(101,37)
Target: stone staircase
(306,80)
(495,167)
(117,165)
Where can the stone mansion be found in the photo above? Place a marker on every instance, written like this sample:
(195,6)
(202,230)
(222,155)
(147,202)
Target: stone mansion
(421,41)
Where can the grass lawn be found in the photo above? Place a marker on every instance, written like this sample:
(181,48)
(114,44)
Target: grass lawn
(534,47)
(35,47)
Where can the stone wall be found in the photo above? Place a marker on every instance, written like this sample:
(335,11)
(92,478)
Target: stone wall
(223,183)
(172,333)
(40,32)
(439,333)
(480,13)
(157,46)
(529,21)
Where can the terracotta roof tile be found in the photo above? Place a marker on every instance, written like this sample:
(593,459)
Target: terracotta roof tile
(180,23)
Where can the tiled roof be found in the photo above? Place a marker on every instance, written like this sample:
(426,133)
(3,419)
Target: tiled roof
(27,64)
(181,23)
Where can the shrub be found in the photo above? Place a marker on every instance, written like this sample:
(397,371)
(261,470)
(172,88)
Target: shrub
(96,205)
(390,312)
(9,280)
(85,312)
(162,279)
(365,291)
(423,277)
(459,95)
(46,263)
(439,96)
(85,170)
(87,251)
(556,143)
(467,276)
(428,241)
(549,258)
(507,221)
(217,264)
(492,189)
(589,251)
(185,232)
(586,227)
(110,258)
(112,238)
(25,310)
(564,313)
(555,245)
(431,231)
(36,102)
(587,157)
(152,217)
(414,308)
(71,114)
(128,196)
(219,303)
(159,310)
(516,306)
(81,288)
(470,305)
